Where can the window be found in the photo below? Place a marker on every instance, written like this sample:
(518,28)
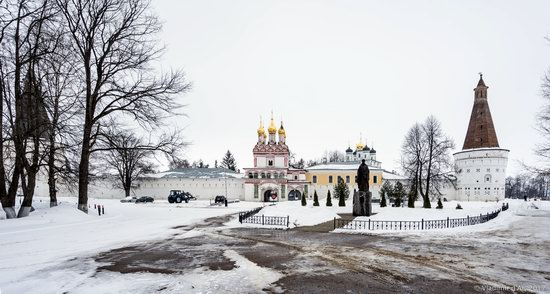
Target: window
(347,179)
(270,163)
(296,177)
(339,179)
(375,179)
(468,170)
(255,175)
(255,190)
(314,179)
(478,170)
(330,179)
(263,175)
(268,175)
(250,176)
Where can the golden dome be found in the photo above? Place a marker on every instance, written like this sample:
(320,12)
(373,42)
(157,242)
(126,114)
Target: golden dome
(282,130)
(261,130)
(272,128)
(360,145)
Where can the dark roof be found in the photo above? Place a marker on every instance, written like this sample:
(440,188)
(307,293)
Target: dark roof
(366,148)
(349,150)
(372,150)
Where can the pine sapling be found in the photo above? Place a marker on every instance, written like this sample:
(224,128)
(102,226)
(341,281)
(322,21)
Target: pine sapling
(315,199)
(329,200)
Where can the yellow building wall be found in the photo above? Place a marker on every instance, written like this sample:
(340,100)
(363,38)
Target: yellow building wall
(323,177)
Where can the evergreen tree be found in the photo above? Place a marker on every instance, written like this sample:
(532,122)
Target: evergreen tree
(315,199)
(398,193)
(341,189)
(329,200)
(386,190)
(304,199)
(229,162)
(439,204)
(341,192)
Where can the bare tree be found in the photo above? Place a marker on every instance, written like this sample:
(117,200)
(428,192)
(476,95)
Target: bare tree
(412,159)
(335,156)
(115,43)
(426,159)
(22,36)
(130,155)
(60,91)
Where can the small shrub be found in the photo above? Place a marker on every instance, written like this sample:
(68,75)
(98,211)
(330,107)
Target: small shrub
(329,200)
(458,206)
(439,204)
(315,199)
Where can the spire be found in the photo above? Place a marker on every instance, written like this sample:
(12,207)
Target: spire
(481,89)
(261,130)
(481,130)
(360,145)
(282,130)
(272,129)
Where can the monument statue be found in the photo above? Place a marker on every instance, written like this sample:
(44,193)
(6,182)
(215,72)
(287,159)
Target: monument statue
(362,199)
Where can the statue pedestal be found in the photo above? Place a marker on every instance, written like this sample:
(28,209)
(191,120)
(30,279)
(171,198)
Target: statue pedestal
(362,203)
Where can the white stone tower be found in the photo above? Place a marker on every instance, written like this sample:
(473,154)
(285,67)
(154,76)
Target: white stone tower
(481,165)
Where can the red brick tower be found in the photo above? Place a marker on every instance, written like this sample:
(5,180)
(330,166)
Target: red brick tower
(481,131)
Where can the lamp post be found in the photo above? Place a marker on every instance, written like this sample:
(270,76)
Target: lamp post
(225,176)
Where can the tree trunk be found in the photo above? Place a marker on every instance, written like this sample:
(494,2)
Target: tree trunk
(52,189)
(83,174)
(4,200)
(26,206)
(84,168)
(427,203)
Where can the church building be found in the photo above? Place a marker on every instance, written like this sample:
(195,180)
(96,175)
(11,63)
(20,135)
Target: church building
(272,179)
(481,165)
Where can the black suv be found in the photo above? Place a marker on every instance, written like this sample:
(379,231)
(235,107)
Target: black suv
(178,196)
(219,199)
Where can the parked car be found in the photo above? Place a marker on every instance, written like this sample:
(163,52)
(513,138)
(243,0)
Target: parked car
(219,199)
(128,199)
(145,199)
(178,196)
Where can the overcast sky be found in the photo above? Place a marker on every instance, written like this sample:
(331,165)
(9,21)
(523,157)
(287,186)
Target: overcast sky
(334,69)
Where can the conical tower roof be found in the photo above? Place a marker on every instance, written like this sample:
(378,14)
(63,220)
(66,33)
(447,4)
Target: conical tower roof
(481,130)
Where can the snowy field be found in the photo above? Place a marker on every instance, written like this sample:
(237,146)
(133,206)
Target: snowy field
(52,235)
(60,249)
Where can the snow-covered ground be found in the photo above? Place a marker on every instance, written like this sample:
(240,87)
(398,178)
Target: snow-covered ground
(52,235)
(311,215)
